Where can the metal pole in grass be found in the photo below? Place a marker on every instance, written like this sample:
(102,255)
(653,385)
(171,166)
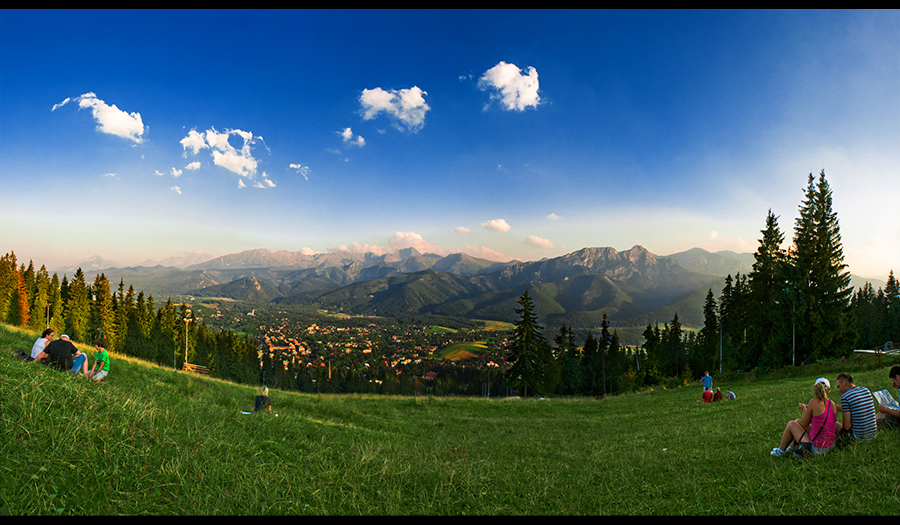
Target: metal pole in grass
(186,321)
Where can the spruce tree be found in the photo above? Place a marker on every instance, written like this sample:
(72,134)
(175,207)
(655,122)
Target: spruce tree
(78,308)
(529,353)
(824,322)
(591,367)
(891,310)
(770,301)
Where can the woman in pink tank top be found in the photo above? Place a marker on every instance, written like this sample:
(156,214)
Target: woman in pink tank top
(816,424)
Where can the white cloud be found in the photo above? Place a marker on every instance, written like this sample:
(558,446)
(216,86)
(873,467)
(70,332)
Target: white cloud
(355,247)
(406,106)
(240,161)
(514,90)
(193,166)
(301,169)
(554,217)
(402,240)
(537,242)
(498,225)
(483,252)
(176,173)
(347,135)
(109,174)
(176,189)
(461,229)
(194,141)
(110,119)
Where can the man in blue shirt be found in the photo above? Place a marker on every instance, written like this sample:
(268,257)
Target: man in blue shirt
(707,381)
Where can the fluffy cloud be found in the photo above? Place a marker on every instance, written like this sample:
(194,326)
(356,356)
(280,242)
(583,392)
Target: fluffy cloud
(407,107)
(514,90)
(498,225)
(224,154)
(554,217)
(537,242)
(110,119)
(193,166)
(402,240)
(461,229)
(347,135)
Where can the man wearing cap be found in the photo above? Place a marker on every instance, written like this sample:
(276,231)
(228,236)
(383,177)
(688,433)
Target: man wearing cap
(857,408)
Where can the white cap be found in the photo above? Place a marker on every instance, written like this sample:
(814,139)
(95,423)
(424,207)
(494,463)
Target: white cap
(823,380)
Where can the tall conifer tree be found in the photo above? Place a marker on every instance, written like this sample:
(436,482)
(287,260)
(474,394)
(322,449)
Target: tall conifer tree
(528,351)
(824,324)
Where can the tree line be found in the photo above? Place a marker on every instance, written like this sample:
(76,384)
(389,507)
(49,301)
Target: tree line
(129,322)
(795,306)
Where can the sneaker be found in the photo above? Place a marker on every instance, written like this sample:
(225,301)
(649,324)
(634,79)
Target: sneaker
(777,452)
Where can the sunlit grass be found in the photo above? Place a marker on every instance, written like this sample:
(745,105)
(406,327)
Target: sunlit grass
(153,441)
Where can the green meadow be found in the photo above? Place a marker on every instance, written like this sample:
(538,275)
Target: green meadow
(150,440)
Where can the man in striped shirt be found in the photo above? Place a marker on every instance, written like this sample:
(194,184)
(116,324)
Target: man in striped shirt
(858,410)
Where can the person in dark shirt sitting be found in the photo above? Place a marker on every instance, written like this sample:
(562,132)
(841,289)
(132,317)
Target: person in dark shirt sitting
(59,353)
(262,400)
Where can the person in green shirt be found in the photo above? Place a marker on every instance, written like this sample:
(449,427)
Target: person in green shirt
(101,362)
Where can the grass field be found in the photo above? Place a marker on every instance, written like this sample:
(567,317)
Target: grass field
(153,441)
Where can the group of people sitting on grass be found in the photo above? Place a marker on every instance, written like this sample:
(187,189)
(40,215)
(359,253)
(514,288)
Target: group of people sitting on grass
(820,426)
(63,355)
(710,396)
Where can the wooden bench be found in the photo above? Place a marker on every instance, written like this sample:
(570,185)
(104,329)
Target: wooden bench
(195,369)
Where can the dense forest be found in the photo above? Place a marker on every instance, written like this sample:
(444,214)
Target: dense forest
(794,307)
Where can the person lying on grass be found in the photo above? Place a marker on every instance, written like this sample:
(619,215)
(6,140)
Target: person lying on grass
(818,420)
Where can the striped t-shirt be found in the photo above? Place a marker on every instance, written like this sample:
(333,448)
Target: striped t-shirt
(858,401)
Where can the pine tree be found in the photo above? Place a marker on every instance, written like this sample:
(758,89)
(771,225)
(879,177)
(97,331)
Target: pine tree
(570,361)
(770,302)
(103,312)
(78,308)
(824,324)
(57,309)
(19,311)
(528,352)
(8,283)
(891,310)
(707,347)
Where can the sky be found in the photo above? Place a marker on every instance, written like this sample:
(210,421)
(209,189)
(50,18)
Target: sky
(137,135)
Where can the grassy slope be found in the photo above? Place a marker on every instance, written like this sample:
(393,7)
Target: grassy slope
(153,441)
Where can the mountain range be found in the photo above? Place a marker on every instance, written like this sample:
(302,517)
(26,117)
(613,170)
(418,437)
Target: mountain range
(632,287)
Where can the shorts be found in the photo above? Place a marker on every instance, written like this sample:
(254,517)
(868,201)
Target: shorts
(76,364)
(817,451)
(99,375)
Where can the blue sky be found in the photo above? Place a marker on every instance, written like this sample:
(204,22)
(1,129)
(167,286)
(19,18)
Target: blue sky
(136,135)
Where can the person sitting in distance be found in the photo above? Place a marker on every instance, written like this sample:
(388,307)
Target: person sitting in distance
(262,401)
